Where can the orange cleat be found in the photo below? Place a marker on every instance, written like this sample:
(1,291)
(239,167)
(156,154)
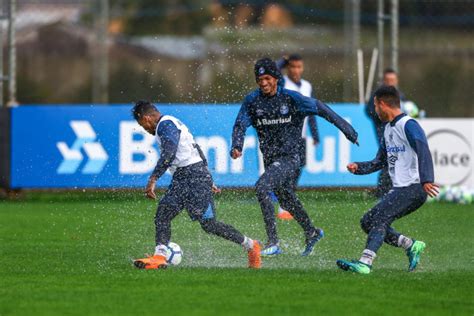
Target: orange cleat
(152,262)
(284,215)
(255,261)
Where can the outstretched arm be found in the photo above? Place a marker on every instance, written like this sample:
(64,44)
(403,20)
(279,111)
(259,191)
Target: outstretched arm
(282,62)
(310,106)
(169,135)
(367,167)
(241,124)
(313,128)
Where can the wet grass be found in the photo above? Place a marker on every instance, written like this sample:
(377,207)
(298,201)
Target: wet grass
(70,253)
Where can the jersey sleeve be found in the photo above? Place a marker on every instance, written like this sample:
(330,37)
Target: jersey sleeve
(417,139)
(169,135)
(313,127)
(310,106)
(375,164)
(242,122)
(281,63)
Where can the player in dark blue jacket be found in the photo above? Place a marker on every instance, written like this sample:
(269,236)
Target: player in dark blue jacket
(278,116)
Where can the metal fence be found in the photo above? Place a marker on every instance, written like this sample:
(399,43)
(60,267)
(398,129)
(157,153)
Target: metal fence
(106,51)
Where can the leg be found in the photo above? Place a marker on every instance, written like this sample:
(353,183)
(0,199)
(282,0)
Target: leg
(290,202)
(200,205)
(164,216)
(214,227)
(168,208)
(267,182)
(396,204)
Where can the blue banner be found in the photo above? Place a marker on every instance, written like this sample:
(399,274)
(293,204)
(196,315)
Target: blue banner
(71,146)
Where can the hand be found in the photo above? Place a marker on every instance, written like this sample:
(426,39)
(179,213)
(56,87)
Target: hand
(352,167)
(236,153)
(150,189)
(431,188)
(215,189)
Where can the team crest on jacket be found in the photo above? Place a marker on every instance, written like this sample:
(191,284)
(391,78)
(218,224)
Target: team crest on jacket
(284,109)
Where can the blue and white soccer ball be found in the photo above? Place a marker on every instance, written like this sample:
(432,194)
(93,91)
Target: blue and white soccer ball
(174,254)
(410,108)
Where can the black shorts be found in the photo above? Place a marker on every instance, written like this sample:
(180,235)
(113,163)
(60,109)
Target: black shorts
(191,189)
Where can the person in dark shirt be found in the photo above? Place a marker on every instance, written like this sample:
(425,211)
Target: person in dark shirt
(278,115)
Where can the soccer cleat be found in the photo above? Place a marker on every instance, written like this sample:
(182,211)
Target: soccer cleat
(271,250)
(414,254)
(310,242)
(284,215)
(152,262)
(255,260)
(354,266)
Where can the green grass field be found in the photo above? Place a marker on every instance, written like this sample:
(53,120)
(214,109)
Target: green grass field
(70,253)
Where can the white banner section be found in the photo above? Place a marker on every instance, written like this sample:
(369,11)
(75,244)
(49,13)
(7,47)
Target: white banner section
(451,143)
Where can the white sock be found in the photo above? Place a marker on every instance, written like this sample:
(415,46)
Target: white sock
(161,250)
(248,243)
(405,242)
(280,210)
(367,256)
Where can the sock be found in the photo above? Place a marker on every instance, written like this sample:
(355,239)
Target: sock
(280,210)
(404,242)
(368,256)
(161,250)
(248,243)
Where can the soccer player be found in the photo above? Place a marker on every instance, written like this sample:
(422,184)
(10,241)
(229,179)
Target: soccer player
(278,115)
(390,78)
(293,80)
(404,150)
(191,186)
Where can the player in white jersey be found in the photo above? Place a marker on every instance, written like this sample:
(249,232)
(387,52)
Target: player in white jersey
(293,80)
(191,187)
(404,149)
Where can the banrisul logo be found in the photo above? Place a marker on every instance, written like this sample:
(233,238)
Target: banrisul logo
(84,147)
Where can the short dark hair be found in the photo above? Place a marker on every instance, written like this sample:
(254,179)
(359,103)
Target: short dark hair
(143,108)
(389,71)
(388,94)
(294,57)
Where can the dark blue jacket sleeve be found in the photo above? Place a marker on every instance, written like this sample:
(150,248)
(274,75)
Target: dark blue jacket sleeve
(377,163)
(241,124)
(417,139)
(281,63)
(313,127)
(169,135)
(310,106)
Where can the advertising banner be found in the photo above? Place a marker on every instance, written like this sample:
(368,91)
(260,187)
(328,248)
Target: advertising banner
(71,146)
(451,143)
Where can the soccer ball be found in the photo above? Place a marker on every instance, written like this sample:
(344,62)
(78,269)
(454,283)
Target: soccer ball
(174,254)
(410,108)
